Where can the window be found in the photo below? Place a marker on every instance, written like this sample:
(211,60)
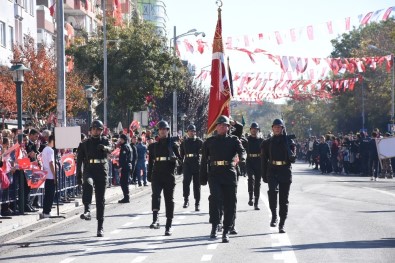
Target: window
(10,37)
(2,34)
(25,5)
(31,7)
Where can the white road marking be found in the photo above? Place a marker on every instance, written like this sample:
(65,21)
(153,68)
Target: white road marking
(287,253)
(186,212)
(160,237)
(139,259)
(128,224)
(380,191)
(67,260)
(212,246)
(206,258)
(176,222)
(180,217)
(116,231)
(135,218)
(152,247)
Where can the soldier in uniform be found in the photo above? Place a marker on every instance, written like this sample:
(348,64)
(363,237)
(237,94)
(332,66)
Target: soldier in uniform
(190,152)
(277,154)
(126,166)
(93,154)
(163,155)
(218,169)
(253,149)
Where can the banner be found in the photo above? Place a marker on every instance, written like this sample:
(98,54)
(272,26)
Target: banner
(219,91)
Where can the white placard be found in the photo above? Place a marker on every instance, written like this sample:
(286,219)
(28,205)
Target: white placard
(386,147)
(67,137)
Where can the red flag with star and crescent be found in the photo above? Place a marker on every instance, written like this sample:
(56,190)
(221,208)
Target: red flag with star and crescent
(220,90)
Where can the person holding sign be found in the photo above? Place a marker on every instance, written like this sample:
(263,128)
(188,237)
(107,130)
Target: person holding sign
(93,154)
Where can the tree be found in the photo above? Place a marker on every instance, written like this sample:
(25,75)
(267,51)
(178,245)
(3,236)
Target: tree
(39,89)
(138,65)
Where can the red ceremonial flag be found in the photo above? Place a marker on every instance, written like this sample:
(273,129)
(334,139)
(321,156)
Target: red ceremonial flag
(219,91)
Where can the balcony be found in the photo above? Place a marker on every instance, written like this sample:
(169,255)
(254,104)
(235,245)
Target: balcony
(74,7)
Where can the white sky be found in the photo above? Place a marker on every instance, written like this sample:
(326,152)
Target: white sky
(250,17)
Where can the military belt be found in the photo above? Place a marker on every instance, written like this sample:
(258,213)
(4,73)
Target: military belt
(191,155)
(221,163)
(97,160)
(279,162)
(254,155)
(162,159)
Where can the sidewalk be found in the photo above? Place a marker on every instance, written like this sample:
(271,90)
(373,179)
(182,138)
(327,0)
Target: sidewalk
(22,224)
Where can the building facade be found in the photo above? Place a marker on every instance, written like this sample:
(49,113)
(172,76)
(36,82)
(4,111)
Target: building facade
(17,20)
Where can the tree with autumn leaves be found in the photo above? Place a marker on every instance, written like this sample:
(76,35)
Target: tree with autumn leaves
(40,86)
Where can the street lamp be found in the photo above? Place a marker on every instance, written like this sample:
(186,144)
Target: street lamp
(175,37)
(89,90)
(393,80)
(183,118)
(18,70)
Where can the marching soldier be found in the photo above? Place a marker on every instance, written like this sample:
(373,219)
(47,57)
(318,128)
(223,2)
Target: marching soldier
(163,155)
(278,152)
(126,167)
(253,149)
(93,154)
(218,169)
(190,152)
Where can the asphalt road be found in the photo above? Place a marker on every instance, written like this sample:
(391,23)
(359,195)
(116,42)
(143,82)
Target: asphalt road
(332,218)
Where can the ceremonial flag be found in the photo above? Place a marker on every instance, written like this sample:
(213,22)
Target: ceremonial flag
(219,91)
(230,79)
(68,164)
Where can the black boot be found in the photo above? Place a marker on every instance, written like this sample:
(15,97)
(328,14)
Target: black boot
(256,207)
(168,230)
(155,220)
(186,203)
(250,203)
(213,233)
(87,213)
(273,222)
(281,226)
(225,236)
(197,207)
(124,200)
(100,232)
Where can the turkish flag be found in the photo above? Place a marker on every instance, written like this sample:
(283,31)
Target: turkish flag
(220,90)
(68,164)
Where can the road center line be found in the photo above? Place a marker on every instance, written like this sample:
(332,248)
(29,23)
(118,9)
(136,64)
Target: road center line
(206,258)
(128,224)
(212,246)
(139,259)
(67,260)
(116,231)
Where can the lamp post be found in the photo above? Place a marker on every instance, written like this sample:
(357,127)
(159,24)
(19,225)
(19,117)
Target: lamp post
(18,70)
(183,117)
(393,81)
(174,38)
(89,90)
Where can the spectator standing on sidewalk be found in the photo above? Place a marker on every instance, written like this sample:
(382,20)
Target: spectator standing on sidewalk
(374,164)
(325,155)
(48,162)
(141,165)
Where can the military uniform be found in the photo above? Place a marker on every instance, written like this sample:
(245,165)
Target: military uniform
(252,146)
(163,155)
(190,153)
(126,165)
(278,152)
(92,153)
(218,169)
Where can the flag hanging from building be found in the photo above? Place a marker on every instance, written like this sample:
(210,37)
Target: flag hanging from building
(220,90)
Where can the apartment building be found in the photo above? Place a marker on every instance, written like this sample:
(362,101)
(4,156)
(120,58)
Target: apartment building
(17,20)
(154,11)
